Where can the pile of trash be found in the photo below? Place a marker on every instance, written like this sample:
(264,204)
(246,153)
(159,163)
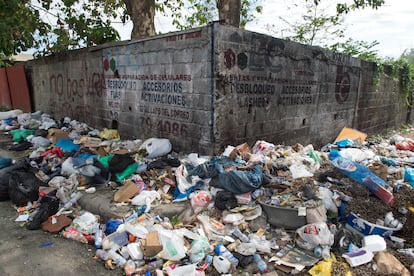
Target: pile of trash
(347,208)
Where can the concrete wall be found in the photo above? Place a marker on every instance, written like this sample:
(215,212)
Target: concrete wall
(215,86)
(157,87)
(285,92)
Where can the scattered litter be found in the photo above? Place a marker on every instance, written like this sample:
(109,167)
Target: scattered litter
(255,209)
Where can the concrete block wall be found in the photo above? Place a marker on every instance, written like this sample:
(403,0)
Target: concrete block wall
(280,91)
(215,86)
(156,87)
(381,105)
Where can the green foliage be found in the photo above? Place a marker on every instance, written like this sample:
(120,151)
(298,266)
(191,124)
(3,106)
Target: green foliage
(19,26)
(358,4)
(316,26)
(196,13)
(357,48)
(51,26)
(346,7)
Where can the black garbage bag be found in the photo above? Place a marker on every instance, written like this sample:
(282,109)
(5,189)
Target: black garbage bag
(120,162)
(225,200)
(20,146)
(23,187)
(49,205)
(5,177)
(164,162)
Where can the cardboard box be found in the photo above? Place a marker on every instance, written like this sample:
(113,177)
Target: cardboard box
(54,134)
(366,228)
(127,191)
(151,245)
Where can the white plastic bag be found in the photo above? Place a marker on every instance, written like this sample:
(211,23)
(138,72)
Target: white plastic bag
(67,167)
(39,141)
(10,114)
(156,147)
(262,147)
(311,235)
(181,177)
(145,198)
(172,245)
(299,171)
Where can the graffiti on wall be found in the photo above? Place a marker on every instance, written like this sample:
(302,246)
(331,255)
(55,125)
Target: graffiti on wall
(342,85)
(160,99)
(255,89)
(259,91)
(185,36)
(64,86)
(72,94)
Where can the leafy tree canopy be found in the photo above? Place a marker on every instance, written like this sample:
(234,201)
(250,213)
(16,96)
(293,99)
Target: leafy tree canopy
(55,25)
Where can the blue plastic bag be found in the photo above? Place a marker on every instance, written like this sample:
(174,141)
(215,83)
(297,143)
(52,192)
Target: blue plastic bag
(409,175)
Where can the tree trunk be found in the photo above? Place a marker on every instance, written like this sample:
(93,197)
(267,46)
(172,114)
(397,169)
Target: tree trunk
(229,12)
(142,13)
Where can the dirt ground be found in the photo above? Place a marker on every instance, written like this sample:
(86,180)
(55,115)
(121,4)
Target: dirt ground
(25,252)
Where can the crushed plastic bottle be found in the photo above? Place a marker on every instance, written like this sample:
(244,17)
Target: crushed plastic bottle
(129,268)
(118,259)
(98,238)
(102,254)
(240,235)
(260,263)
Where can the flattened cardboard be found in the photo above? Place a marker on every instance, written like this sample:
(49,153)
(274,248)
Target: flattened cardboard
(127,191)
(55,134)
(352,134)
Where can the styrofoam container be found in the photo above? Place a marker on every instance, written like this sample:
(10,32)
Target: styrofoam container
(374,243)
(359,257)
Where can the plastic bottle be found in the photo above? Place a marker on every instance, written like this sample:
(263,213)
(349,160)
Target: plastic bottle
(129,268)
(154,264)
(326,252)
(118,259)
(317,251)
(260,263)
(240,235)
(98,238)
(73,199)
(222,251)
(102,254)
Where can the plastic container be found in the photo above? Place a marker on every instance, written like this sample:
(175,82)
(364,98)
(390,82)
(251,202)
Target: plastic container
(221,264)
(374,243)
(359,257)
(260,263)
(283,217)
(116,239)
(135,251)
(223,251)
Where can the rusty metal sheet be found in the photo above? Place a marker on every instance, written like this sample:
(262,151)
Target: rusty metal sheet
(19,90)
(5,100)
